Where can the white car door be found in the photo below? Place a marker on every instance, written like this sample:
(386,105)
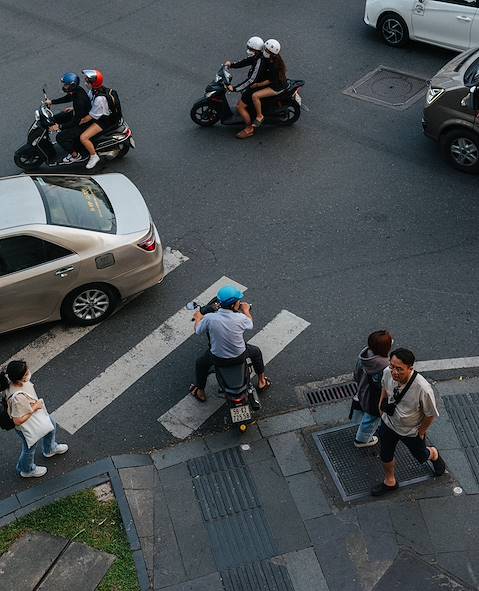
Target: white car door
(445,22)
(475,30)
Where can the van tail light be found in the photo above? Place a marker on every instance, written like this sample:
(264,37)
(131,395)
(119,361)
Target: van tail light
(149,242)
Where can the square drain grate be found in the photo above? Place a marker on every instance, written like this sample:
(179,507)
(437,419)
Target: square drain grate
(330,394)
(388,87)
(355,471)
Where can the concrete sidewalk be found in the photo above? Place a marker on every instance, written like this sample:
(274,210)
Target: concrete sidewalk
(261,511)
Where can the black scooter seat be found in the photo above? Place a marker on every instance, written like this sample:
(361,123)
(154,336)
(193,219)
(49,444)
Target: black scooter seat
(232,377)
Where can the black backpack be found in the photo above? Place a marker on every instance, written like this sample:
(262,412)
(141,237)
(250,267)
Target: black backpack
(6,422)
(114,104)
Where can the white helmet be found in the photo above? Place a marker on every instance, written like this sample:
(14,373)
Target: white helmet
(255,43)
(272,46)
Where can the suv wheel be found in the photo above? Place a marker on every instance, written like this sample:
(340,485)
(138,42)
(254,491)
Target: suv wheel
(460,147)
(89,304)
(393,30)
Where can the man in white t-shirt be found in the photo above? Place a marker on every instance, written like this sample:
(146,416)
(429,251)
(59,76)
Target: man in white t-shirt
(225,329)
(408,407)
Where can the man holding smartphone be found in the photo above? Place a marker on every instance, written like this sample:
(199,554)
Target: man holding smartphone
(408,408)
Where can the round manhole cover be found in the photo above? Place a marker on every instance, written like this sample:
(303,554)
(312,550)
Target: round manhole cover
(392,87)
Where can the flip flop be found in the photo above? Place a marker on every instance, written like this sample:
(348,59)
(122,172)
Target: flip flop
(242,135)
(258,122)
(193,390)
(382,489)
(266,386)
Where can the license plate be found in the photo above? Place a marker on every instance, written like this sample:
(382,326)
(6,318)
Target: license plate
(132,143)
(297,98)
(240,413)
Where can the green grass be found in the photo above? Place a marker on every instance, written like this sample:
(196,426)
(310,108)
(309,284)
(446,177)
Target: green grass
(103,530)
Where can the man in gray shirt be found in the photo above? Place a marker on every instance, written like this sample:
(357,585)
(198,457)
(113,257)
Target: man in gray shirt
(408,409)
(225,330)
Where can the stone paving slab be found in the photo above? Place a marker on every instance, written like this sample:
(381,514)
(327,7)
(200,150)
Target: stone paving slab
(308,495)
(287,528)
(289,453)
(409,572)
(80,568)
(464,565)
(377,529)
(179,453)
(410,527)
(232,438)
(453,522)
(458,464)
(141,507)
(304,570)
(140,477)
(27,560)
(291,421)
(211,582)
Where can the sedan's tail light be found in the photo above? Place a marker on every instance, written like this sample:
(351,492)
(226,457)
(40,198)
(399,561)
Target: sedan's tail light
(149,242)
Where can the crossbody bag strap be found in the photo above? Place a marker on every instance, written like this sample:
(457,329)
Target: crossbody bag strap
(400,396)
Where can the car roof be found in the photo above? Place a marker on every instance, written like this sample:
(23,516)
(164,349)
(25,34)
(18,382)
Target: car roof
(20,203)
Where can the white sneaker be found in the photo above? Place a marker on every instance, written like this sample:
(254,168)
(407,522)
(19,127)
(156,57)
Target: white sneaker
(369,443)
(93,161)
(39,471)
(69,158)
(60,449)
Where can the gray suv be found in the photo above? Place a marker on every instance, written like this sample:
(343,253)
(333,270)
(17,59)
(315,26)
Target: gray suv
(450,119)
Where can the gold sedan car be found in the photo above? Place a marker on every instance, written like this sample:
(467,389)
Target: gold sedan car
(73,247)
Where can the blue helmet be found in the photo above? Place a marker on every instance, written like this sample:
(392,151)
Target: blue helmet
(229,295)
(70,81)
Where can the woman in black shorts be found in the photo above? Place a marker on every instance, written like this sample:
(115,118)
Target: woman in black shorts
(275,81)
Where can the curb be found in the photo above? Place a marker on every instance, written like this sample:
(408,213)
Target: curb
(99,472)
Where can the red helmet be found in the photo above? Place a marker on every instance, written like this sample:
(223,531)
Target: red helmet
(94,77)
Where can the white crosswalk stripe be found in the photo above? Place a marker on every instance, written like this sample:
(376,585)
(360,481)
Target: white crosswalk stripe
(188,414)
(56,340)
(130,367)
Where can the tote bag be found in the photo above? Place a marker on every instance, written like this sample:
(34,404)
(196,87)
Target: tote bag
(37,426)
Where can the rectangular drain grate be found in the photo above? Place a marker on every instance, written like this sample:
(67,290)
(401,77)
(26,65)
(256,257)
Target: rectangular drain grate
(257,576)
(463,410)
(331,393)
(355,471)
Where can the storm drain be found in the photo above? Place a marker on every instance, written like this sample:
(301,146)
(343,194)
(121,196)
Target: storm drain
(355,471)
(388,87)
(330,394)
(463,410)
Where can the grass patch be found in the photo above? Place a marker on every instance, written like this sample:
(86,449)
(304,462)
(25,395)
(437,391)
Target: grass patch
(103,530)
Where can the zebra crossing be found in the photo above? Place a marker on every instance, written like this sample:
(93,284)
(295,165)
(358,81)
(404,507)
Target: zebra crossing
(186,416)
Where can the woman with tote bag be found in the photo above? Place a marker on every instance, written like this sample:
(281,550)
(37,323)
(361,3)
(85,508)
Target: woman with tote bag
(31,418)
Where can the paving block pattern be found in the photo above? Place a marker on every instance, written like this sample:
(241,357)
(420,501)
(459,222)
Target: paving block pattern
(463,410)
(355,471)
(264,575)
(236,523)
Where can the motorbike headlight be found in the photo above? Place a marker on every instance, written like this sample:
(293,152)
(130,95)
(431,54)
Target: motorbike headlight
(208,94)
(433,94)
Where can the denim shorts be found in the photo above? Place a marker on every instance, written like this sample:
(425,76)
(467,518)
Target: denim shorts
(389,440)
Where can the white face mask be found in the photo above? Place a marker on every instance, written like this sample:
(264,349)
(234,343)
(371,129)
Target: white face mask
(249,52)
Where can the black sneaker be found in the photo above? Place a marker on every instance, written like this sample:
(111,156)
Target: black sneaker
(438,465)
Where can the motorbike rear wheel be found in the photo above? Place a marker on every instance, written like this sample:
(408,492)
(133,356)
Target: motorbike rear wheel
(28,157)
(290,115)
(124,148)
(204,114)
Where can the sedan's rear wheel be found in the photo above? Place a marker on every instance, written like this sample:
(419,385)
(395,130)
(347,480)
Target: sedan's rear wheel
(393,30)
(460,147)
(89,304)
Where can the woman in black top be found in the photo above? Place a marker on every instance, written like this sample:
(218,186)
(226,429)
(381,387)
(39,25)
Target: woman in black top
(275,81)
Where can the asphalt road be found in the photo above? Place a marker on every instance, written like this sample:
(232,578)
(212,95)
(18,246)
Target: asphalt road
(349,219)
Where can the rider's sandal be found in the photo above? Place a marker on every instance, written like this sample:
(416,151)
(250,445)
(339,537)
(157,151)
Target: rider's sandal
(258,122)
(246,132)
(266,386)
(193,390)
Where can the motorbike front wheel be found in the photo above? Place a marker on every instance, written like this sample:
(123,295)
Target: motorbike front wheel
(204,114)
(28,157)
